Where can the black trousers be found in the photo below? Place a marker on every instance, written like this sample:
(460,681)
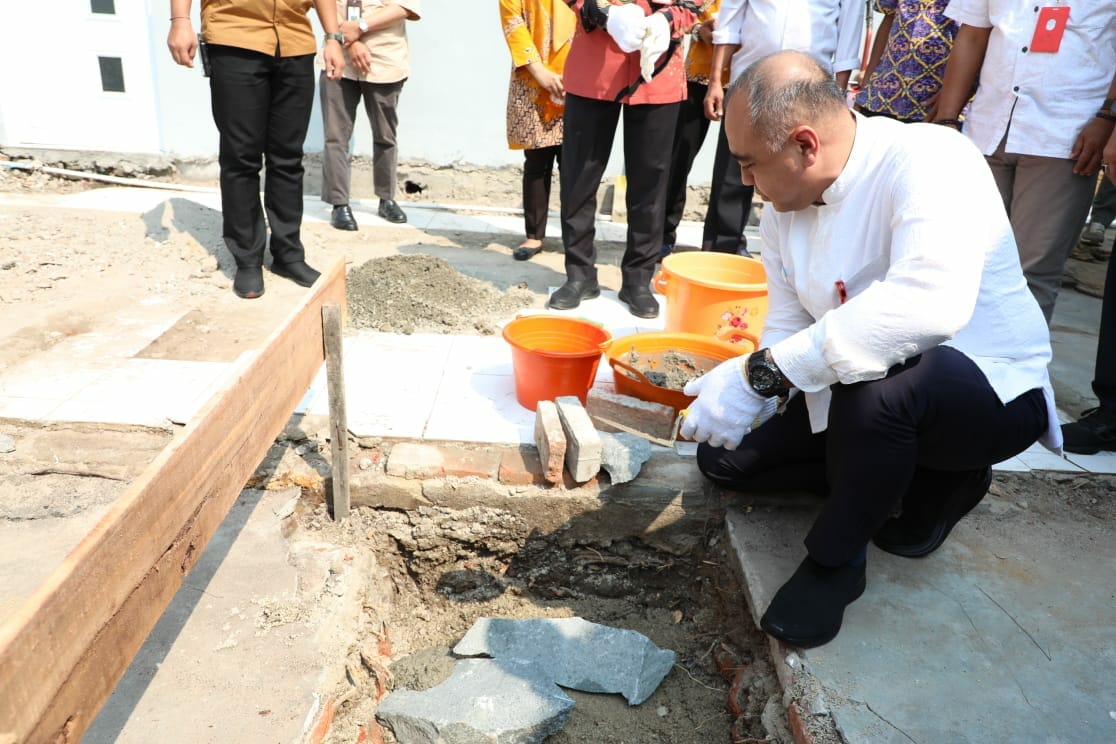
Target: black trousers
(261,106)
(689,135)
(730,202)
(910,438)
(538,171)
(1104,376)
(589,128)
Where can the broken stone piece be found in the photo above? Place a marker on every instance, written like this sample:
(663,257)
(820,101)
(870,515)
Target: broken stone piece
(484,700)
(623,454)
(7,444)
(574,653)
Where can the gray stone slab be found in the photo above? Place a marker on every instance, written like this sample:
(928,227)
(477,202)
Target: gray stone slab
(623,454)
(575,653)
(484,701)
(1005,629)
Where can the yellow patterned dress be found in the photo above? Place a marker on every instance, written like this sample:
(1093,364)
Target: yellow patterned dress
(536,31)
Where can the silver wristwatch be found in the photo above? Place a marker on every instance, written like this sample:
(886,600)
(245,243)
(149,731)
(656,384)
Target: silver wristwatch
(336,36)
(363,26)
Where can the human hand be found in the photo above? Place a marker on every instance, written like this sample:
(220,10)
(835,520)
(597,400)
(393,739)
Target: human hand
(1110,157)
(626,26)
(182,42)
(1089,146)
(361,57)
(656,40)
(549,81)
(333,59)
(706,29)
(350,29)
(714,100)
(726,407)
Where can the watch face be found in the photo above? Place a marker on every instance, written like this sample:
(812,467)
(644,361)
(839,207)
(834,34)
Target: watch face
(763,379)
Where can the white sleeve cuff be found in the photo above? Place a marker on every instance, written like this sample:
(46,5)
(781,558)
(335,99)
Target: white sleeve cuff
(725,36)
(802,363)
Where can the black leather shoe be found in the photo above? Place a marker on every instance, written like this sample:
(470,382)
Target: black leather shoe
(299,272)
(921,529)
(640,301)
(570,294)
(1093,432)
(807,610)
(391,212)
(248,283)
(342,218)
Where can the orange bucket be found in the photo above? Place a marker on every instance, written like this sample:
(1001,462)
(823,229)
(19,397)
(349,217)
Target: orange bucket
(553,355)
(715,294)
(634,360)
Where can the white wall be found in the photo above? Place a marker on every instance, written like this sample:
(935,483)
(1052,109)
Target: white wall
(451,110)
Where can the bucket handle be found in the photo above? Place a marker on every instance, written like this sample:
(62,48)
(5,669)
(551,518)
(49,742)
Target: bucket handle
(631,371)
(659,282)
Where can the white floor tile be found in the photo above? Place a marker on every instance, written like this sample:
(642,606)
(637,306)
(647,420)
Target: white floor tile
(1046,461)
(1012,464)
(479,355)
(1102,462)
(479,408)
(31,409)
(51,378)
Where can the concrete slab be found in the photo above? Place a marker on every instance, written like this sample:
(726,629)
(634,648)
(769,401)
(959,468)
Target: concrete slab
(1005,630)
(253,595)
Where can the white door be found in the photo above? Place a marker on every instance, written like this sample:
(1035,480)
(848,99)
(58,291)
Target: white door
(90,90)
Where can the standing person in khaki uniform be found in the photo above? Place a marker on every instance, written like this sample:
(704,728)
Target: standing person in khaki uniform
(377,63)
(260,64)
(538,33)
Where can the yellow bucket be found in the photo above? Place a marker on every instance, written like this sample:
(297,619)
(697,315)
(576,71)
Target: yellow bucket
(715,294)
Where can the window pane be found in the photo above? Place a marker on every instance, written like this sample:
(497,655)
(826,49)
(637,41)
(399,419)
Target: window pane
(103,6)
(112,74)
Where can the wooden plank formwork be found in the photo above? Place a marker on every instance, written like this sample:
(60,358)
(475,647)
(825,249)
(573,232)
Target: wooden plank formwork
(64,650)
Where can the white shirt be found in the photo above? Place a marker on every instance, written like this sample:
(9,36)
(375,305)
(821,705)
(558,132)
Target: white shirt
(829,29)
(1046,97)
(915,228)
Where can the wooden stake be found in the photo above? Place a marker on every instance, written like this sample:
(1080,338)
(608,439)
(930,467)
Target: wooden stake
(338,421)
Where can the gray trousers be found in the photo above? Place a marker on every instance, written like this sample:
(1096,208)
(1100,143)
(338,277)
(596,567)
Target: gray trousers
(1047,204)
(339,105)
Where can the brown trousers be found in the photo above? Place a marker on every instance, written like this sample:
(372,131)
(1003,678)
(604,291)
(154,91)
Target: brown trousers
(339,100)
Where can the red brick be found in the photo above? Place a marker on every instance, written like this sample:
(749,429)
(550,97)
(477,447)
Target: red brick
(375,735)
(738,694)
(653,419)
(727,660)
(322,725)
(459,462)
(411,460)
(798,727)
(522,467)
(550,439)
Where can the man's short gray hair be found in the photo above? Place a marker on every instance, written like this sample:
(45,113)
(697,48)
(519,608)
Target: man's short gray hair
(778,101)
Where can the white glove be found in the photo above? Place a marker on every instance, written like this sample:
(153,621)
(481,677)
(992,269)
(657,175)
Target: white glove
(625,26)
(726,407)
(656,40)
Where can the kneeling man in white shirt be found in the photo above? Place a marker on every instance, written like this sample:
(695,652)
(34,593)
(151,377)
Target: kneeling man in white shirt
(905,356)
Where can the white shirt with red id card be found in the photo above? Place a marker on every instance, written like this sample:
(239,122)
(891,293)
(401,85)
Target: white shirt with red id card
(1046,71)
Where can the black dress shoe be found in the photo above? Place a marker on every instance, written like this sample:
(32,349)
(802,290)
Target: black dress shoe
(391,212)
(922,528)
(342,218)
(523,252)
(1093,432)
(248,283)
(570,294)
(299,272)
(808,609)
(640,301)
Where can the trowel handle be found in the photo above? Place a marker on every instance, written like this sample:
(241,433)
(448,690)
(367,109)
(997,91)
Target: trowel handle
(630,370)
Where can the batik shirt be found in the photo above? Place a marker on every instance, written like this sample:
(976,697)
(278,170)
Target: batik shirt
(914,60)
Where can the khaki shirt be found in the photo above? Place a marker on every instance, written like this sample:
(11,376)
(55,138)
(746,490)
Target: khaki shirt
(391,58)
(273,27)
